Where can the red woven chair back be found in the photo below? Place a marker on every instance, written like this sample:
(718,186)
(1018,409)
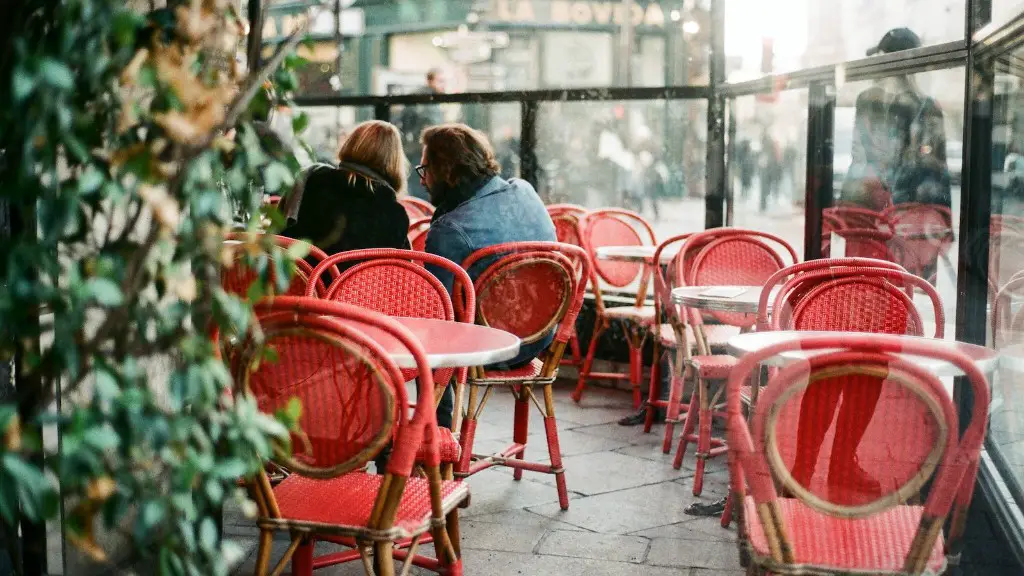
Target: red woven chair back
(567,226)
(664,283)
(418,234)
(613,227)
(330,358)
(239,277)
(555,209)
(395,283)
(856,299)
(774,283)
(1006,255)
(415,208)
(854,218)
(910,441)
(532,288)
(1007,324)
(732,256)
(865,243)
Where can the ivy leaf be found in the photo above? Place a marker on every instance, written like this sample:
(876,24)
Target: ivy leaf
(105,291)
(106,385)
(23,84)
(208,535)
(300,122)
(90,181)
(56,74)
(277,176)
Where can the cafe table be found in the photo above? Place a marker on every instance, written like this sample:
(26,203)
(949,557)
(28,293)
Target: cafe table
(741,299)
(637,254)
(449,344)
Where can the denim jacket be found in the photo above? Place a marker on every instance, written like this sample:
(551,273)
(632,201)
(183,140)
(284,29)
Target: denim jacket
(500,211)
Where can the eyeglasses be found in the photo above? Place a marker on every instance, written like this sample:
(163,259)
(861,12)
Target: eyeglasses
(422,170)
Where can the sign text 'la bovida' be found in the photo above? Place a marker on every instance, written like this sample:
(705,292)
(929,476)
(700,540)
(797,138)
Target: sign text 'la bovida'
(577,12)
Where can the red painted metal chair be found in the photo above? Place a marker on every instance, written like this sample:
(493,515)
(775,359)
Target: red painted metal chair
(239,276)
(834,527)
(614,227)
(566,218)
(416,208)
(418,234)
(530,290)
(354,402)
(395,283)
(720,257)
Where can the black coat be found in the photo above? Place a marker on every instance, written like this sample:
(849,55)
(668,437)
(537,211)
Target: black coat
(345,208)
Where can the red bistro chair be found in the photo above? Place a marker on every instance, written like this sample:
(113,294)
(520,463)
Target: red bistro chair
(720,257)
(838,530)
(395,283)
(927,234)
(530,290)
(418,234)
(857,218)
(353,403)
(237,278)
(1007,326)
(566,218)
(416,208)
(615,227)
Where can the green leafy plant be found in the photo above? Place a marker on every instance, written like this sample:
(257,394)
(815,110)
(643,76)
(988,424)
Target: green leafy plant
(129,142)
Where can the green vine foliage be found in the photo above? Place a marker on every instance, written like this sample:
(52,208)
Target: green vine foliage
(130,141)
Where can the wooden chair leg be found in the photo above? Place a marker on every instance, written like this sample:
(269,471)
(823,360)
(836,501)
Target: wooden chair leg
(454,532)
(383,558)
(653,389)
(703,437)
(266,541)
(688,427)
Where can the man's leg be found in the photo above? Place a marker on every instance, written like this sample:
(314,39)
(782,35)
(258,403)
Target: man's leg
(446,408)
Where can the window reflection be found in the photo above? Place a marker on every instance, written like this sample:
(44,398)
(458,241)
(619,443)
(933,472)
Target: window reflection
(327,126)
(1006,261)
(767,146)
(646,156)
(785,35)
(897,158)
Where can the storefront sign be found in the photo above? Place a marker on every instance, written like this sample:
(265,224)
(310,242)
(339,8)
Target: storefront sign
(576,12)
(281,24)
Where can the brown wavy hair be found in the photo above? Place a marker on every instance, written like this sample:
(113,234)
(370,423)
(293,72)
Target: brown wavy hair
(378,146)
(458,154)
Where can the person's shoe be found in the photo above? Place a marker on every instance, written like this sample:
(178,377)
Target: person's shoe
(634,419)
(852,484)
(715,508)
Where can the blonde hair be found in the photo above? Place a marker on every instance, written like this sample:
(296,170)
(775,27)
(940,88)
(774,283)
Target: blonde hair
(378,146)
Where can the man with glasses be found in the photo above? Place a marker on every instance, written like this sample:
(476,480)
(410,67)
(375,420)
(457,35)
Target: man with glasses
(476,208)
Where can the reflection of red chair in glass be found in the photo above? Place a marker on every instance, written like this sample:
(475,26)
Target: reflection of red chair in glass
(237,278)
(353,400)
(836,528)
(720,257)
(395,283)
(872,300)
(418,234)
(416,208)
(614,227)
(927,234)
(532,289)
(854,218)
(566,218)
(1007,326)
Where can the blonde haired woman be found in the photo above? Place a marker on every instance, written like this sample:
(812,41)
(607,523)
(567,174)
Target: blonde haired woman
(353,205)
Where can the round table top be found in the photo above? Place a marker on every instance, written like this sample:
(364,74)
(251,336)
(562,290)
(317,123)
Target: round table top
(742,299)
(449,344)
(985,358)
(640,254)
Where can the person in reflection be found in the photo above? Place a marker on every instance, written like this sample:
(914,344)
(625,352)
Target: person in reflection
(416,118)
(899,140)
(355,204)
(476,208)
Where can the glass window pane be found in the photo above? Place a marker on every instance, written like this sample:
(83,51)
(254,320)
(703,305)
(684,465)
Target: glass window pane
(767,143)
(328,125)
(1006,261)
(646,156)
(784,35)
(897,163)
(1005,10)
